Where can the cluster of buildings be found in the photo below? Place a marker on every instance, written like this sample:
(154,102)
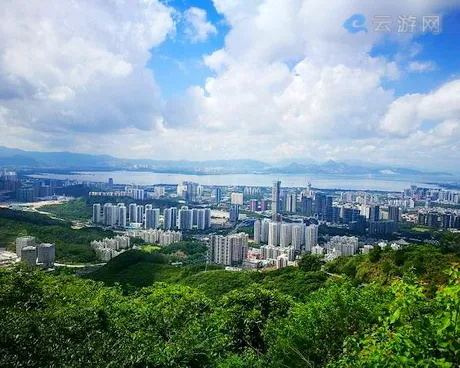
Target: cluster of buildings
(107,249)
(228,250)
(157,236)
(147,217)
(297,235)
(42,255)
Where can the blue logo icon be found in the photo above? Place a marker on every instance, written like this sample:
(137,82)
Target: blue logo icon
(355,24)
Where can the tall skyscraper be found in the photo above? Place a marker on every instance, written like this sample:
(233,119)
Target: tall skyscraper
(264,231)
(374,213)
(285,235)
(132,212)
(140,214)
(274,233)
(121,216)
(320,205)
(393,213)
(152,218)
(263,205)
(276,200)
(290,202)
(167,220)
(96,213)
(328,211)
(191,191)
(257,231)
(311,237)
(229,250)
(218,194)
(306,205)
(253,205)
(298,232)
(185,221)
(234,213)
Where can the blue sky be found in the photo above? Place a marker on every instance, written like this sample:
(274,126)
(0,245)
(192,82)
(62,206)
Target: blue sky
(177,63)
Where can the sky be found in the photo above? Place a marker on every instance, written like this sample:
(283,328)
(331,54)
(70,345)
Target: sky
(350,80)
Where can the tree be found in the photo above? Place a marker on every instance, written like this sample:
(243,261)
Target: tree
(309,263)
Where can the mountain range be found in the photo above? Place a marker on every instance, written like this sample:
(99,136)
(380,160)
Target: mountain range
(20,159)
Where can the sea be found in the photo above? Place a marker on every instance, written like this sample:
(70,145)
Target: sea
(393,183)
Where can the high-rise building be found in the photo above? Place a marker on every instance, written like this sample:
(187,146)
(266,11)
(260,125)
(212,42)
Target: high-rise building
(290,202)
(306,206)
(22,242)
(285,235)
(298,236)
(229,250)
(282,261)
(274,229)
(110,215)
(320,205)
(263,205)
(264,231)
(167,220)
(191,191)
(328,210)
(152,218)
(218,194)
(237,199)
(393,213)
(253,205)
(207,218)
(374,213)
(276,200)
(110,184)
(121,216)
(201,220)
(140,214)
(132,212)
(336,215)
(311,237)
(29,256)
(234,213)
(257,231)
(96,213)
(46,255)
(185,221)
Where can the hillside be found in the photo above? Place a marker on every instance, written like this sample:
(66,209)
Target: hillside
(384,309)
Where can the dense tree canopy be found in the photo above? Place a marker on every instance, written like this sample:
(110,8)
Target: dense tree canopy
(400,310)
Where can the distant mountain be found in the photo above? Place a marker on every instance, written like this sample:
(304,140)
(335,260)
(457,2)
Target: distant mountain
(20,159)
(340,168)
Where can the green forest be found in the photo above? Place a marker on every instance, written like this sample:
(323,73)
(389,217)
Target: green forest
(72,245)
(383,309)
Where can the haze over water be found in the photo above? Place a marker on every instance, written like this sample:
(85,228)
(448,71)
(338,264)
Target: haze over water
(352,182)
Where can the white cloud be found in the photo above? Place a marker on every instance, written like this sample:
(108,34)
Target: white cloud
(80,66)
(421,66)
(289,81)
(406,114)
(197,27)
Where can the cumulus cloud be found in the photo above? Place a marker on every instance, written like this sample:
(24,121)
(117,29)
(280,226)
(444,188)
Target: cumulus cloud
(407,113)
(197,27)
(288,82)
(421,66)
(80,66)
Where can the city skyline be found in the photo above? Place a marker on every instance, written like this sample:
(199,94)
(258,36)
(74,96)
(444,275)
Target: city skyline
(268,80)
